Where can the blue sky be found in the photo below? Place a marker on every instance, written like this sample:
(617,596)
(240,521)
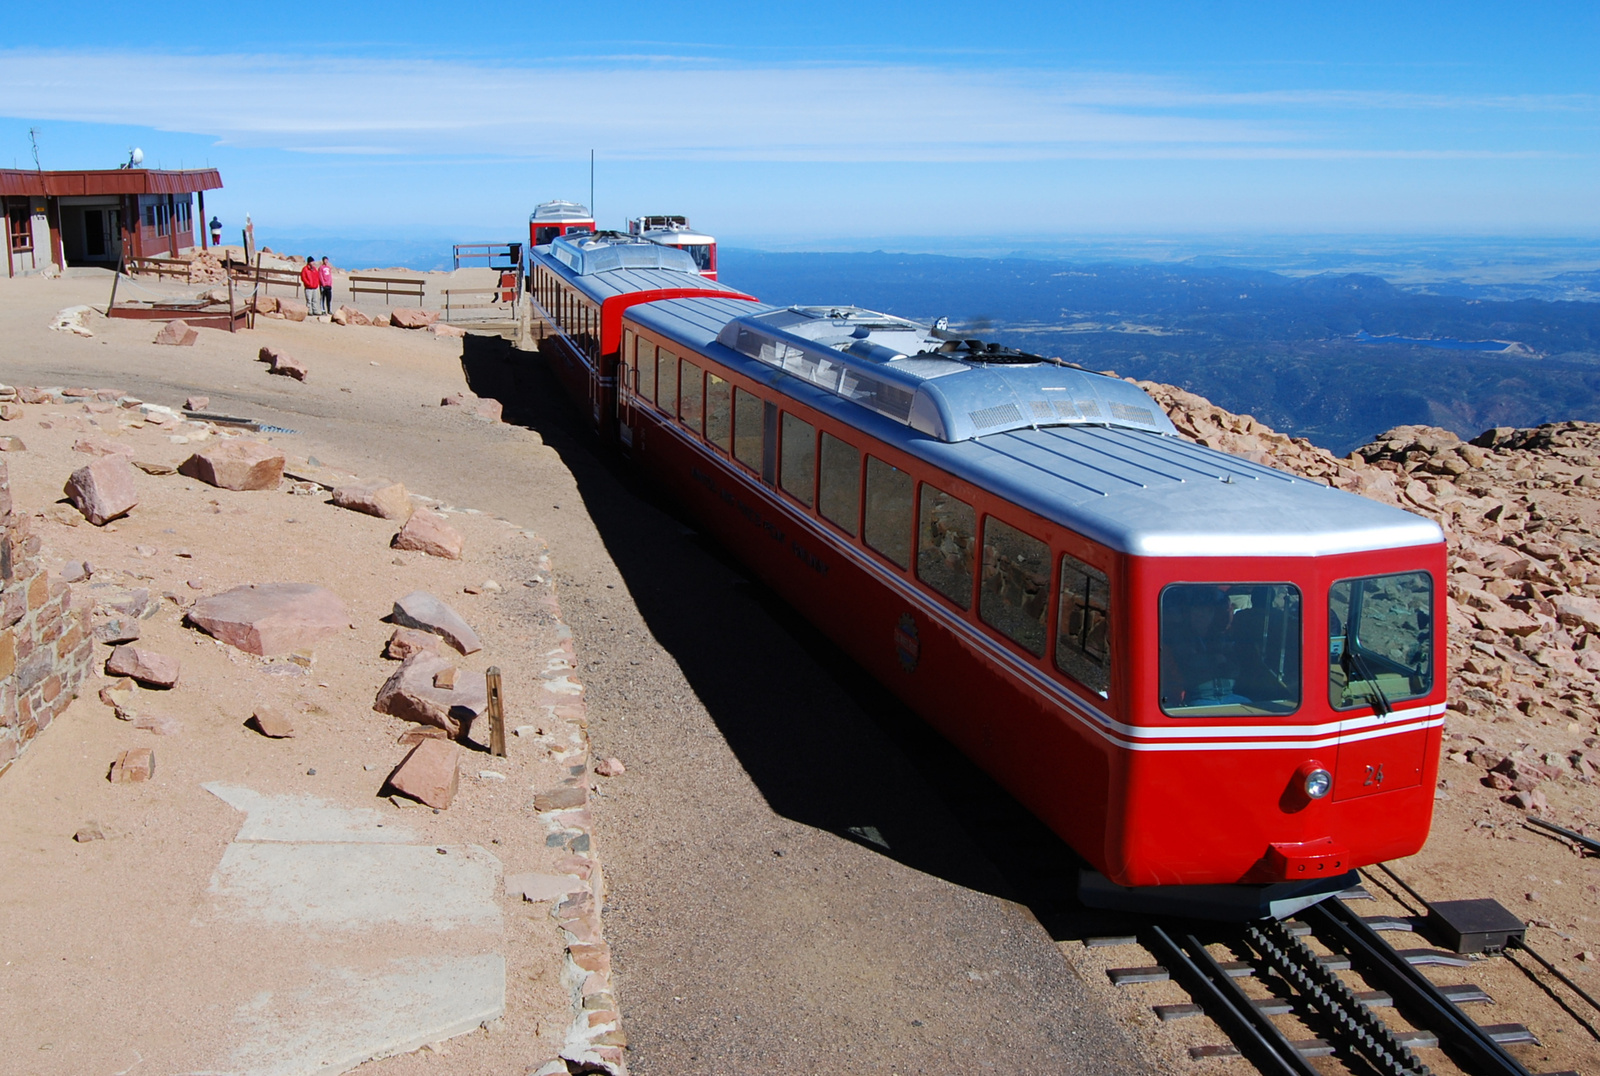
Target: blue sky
(800,124)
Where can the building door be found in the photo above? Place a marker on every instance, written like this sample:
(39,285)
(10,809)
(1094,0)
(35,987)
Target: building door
(94,234)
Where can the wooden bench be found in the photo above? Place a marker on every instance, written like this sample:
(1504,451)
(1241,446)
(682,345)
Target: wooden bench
(405,287)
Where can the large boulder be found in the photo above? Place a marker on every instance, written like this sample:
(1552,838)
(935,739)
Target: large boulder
(386,500)
(427,532)
(146,666)
(293,309)
(288,366)
(236,465)
(410,317)
(423,611)
(411,695)
(177,334)
(271,618)
(103,490)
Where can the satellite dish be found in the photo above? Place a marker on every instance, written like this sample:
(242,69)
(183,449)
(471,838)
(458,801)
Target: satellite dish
(136,158)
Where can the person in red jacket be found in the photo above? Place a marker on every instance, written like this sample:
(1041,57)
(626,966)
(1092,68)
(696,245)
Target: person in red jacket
(312,281)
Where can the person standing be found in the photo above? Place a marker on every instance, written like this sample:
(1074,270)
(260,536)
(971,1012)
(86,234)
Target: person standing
(325,275)
(216,231)
(311,280)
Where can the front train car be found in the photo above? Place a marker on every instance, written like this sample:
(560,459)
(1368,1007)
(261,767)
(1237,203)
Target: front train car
(1197,670)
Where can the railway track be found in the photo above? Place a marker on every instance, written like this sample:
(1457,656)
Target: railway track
(1327,992)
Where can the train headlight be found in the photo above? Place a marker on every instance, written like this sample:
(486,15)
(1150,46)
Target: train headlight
(1318,783)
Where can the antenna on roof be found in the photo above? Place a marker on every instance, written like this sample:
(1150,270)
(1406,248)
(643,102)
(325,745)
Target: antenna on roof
(33,136)
(591,187)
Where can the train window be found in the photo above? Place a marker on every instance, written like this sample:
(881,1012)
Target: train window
(647,370)
(747,428)
(797,466)
(888,517)
(1380,640)
(1015,591)
(691,396)
(947,529)
(839,485)
(1230,649)
(719,423)
(1083,630)
(666,381)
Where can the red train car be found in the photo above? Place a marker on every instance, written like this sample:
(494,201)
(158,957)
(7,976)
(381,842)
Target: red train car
(1197,670)
(674,231)
(552,219)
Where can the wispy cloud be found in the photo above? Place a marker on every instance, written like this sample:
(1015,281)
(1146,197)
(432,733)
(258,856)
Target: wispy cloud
(652,107)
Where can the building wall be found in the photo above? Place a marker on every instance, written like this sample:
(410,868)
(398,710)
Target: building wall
(171,214)
(30,261)
(45,640)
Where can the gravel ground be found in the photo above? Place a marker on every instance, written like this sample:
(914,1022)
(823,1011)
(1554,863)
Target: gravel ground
(803,879)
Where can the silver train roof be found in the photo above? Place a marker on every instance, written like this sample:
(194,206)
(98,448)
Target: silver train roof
(606,265)
(1137,488)
(560,212)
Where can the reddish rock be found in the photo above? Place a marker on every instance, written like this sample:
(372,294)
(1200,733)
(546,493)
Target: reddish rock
(412,737)
(239,465)
(146,666)
(611,767)
(487,410)
(95,446)
(271,618)
(406,317)
(159,724)
(103,490)
(271,722)
(177,334)
(293,309)
(386,500)
(266,304)
(132,767)
(12,444)
(446,678)
(288,366)
(10,412)
(427,532)
(340,316)
(442,329)
(197,403)
(410,695)
(565,797)
(430,774)
(407,641)
(422,610)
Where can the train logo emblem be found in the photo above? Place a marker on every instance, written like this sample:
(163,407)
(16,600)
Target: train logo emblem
(906,644)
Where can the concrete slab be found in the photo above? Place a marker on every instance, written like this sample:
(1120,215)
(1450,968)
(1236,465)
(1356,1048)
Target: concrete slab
(344,1017)
(358,886)
(306,818)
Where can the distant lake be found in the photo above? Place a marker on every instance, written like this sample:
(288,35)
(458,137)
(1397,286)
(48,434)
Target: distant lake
(1444,342)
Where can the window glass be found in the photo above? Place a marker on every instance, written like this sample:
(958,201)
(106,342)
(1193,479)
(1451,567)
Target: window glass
(1380,640)
(647,370)
(1230,649)
(839,493)
(719,422)
(1016,584)
(747,428)
(1083,629)
(888,517)
(667,381)
(691,397)
(947,530)
(797,466)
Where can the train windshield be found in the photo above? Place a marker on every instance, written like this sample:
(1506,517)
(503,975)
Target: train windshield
(700,252)
(1380,640)
(1230,649)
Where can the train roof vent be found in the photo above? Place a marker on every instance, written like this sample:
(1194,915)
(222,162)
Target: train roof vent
(931,380)
(588,252)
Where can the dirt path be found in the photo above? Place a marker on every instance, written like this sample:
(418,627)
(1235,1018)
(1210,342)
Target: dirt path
(802,878)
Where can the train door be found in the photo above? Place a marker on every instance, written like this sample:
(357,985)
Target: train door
(625,391)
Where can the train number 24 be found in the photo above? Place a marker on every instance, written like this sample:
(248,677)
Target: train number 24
(1374,775)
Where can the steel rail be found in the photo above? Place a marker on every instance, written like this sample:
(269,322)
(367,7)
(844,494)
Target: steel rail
(1256,1036)
(1413,993)
(1588,843)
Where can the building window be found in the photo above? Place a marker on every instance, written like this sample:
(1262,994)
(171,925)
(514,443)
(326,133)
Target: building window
(888,516)
(1083,633)
(1016,585)
(839,491)
(747,439)
(797,468)
(20,223)
(719,420)
(947,530)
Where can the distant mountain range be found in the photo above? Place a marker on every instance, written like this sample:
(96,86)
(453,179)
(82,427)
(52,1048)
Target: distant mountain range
(1330,357)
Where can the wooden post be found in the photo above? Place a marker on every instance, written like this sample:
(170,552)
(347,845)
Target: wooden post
(232,327)
(205,233)
(497,714)
(111,302)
